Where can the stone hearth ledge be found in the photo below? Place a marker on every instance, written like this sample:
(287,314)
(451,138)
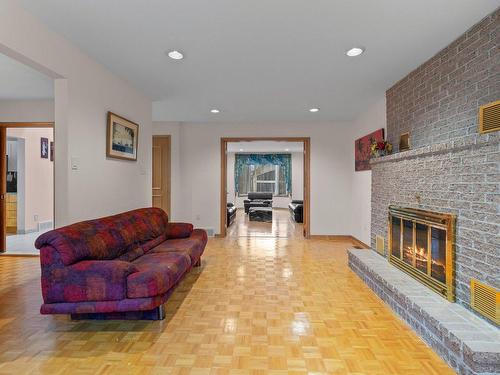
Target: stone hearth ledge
(467,343)
(463,143)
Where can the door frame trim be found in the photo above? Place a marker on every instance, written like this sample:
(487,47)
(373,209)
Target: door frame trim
(3,176)
(306,141)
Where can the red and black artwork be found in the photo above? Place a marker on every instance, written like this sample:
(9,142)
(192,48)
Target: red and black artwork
(363,150)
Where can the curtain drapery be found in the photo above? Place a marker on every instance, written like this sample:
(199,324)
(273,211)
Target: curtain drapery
(283,160)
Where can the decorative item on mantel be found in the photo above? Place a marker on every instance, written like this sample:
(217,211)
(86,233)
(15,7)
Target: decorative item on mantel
(404,142)
(381,148)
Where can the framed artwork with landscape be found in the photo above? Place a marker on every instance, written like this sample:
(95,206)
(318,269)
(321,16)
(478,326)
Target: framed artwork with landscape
(362,149)
(122,138)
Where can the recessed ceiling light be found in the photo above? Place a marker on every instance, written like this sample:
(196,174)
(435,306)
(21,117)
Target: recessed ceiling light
(214,110)
(313,110)
(356,51)
(175,55)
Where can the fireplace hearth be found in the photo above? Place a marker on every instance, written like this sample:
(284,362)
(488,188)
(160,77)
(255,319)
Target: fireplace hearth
(421,243)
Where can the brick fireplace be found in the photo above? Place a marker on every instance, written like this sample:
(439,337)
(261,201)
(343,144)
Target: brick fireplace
(451,168)
(422,244)
(446,186)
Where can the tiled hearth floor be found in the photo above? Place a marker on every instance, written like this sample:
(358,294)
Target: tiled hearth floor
(256,306)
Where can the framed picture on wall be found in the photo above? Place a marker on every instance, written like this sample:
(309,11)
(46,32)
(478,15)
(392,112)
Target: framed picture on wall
(362,149)
(122,138)
(51,151)
(44,148)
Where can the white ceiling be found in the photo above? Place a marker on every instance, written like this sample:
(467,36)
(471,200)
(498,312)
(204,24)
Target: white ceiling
(265,146)
(20,82)
(260,60)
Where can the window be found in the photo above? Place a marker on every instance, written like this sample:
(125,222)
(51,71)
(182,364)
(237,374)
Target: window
(259,174)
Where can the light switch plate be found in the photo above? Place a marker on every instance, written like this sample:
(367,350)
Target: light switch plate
(75,164)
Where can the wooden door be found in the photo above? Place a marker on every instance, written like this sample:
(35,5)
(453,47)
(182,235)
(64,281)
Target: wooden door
(3,189)
(161,172)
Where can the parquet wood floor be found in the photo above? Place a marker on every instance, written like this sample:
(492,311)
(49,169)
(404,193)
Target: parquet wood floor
(282,226)
(256,306)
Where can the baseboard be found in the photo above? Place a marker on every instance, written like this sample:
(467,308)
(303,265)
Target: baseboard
(331,237)
(339,238)
(359,243)
(26,231)
(6,254)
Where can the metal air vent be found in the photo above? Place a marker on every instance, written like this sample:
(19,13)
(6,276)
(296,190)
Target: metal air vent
(489,117)
(485,300)
(380,244)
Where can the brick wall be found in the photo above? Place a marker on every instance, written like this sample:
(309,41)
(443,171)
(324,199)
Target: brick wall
(438,101)
(450,167)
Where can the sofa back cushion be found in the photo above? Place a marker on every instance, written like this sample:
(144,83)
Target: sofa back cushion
(266,196)
(107,237)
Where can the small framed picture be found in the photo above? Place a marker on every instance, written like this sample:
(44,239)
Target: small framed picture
(122,138)
(404,142)
(44,148)
(51,151)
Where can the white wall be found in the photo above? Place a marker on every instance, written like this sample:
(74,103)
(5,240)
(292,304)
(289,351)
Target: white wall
(199,174)
(298,175)
(372,119)
(231,194)
(27,110)
(84,92)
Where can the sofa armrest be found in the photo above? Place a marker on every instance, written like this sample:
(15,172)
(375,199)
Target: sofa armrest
(87,280)
(179,230)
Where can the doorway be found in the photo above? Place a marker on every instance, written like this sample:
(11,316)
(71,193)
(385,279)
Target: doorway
(26,185)
(264,195)
(161,172)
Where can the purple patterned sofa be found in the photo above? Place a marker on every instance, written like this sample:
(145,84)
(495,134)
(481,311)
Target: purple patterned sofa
(124,263)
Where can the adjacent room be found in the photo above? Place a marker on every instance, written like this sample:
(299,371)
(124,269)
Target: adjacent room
(30,187)
(250,188)
(265,189)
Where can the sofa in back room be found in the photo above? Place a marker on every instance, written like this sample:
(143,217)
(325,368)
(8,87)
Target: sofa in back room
(122,264)
(258,200)
(231,213)
(296,208)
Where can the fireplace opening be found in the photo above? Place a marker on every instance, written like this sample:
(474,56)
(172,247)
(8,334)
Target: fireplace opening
(421,243)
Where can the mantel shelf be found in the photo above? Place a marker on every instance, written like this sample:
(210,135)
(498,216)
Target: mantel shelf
(467,142)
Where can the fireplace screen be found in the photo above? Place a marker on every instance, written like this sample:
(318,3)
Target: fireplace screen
(421,243)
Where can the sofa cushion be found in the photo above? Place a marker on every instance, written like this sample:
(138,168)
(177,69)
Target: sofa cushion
(105,238)
(192,246)
(252,196)
(157,273)
(178,230)
(131,255)
(88,280)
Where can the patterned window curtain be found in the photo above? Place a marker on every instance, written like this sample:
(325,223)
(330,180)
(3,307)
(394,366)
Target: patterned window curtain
(283,160)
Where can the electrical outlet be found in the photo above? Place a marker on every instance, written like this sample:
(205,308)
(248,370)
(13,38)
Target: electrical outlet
(35,217)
